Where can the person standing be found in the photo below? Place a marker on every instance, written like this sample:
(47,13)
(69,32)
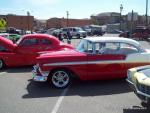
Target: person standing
(69,37)
(60,36)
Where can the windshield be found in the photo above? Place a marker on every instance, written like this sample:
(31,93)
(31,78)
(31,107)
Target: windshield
(85,46)
(82,47)
(146,72)
(141,49)
(19,40)
(79,29)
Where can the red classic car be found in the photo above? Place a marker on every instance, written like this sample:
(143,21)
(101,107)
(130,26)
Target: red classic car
(25,51)
(95,58)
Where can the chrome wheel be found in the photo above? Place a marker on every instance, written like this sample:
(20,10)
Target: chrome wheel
(1,64)
(60,78)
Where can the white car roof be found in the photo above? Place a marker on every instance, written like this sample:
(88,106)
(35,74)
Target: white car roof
(113,39)
(4,34)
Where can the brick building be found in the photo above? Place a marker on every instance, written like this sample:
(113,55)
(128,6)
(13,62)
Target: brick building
(106,18)
(19,22)
(62,22)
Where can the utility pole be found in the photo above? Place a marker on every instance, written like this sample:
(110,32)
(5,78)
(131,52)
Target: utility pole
(146,12)
(67,18)
(28,14)
(121,8)
(132,18)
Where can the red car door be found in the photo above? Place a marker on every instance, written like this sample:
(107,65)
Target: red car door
(28,49)
(13,59)
(105,66)
(107,62)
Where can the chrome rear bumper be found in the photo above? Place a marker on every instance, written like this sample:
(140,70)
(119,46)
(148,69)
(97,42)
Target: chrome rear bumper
(39,77)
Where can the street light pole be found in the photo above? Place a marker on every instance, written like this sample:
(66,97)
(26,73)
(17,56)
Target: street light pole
(28,14)
(121,8)
(146,12)
(67,18)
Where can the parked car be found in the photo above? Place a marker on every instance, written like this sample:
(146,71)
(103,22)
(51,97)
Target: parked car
(139,80)
(25,51)
(140,33)
(75,31)
(96,30)
(13,30)
(95,58)
(125,34)
(50,31)
(13,37)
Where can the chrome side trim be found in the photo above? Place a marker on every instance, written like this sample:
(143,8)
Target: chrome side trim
(90,62)
(66,63)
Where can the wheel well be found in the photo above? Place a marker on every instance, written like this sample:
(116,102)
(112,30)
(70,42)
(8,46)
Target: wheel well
(3,62)
(73,75)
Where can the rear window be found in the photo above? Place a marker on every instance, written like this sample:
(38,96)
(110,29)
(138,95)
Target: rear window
(46,42)
(29,42)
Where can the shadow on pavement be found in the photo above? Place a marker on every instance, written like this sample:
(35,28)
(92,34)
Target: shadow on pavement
(40,90)
(21,69)
(81,88)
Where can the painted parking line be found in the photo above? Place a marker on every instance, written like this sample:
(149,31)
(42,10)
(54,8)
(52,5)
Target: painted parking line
(59,101)
(2,73)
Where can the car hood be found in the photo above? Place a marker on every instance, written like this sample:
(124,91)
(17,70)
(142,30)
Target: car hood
(143,79)
(142,75)
(82,31)
(62,56)
(7,43)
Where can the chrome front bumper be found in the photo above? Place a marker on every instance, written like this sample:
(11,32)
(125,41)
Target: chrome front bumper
(38,77)
(143,96)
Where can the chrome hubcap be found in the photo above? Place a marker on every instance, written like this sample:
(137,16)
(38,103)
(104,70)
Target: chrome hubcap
(60,79)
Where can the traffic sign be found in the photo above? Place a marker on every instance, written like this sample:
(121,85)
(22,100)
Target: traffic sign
(3,23)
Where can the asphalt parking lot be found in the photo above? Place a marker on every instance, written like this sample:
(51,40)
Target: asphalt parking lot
(19,94)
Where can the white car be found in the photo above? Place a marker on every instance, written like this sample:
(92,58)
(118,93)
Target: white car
(75,31)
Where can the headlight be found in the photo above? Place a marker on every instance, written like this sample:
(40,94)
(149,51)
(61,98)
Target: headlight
(131,73)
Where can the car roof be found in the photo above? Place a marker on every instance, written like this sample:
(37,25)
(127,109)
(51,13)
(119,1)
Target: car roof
(113,39)
(4,34)
(52,38)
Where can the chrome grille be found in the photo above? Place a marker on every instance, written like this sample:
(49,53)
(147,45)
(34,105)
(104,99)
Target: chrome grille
(143,88)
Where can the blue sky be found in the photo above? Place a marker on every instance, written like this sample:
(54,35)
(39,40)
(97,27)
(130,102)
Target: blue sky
(45,9)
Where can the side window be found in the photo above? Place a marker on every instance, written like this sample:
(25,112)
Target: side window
(64,29)
(69,29)
(46,42)
(127,49)
(109,48)
(29,42)
(3,49)
(74,30)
